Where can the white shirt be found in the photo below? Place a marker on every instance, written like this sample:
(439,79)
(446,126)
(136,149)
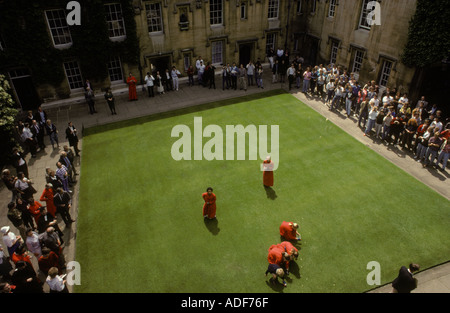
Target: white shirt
(33,244)
(197,64)
(9,239)
(56,284)
(374,102)
(387,99)
(149,80)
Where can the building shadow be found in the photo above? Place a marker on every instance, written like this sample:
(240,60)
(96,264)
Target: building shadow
(212,225)
(271,194)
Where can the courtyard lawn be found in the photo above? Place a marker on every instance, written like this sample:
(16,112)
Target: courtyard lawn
(140,224)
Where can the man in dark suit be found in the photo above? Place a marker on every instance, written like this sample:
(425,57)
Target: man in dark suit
(38,132)
(72,137)
(167,80)
(62,202)
(405,282)
(41,116)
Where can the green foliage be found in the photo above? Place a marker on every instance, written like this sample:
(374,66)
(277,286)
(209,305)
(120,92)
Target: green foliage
(428,36)
(7,119)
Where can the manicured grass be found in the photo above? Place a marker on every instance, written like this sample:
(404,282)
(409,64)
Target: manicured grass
(140,224)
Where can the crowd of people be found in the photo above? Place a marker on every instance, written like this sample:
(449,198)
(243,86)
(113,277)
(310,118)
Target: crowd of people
(385,114)
(37,233)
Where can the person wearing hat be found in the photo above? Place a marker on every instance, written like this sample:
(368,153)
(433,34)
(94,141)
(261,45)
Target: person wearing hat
(288,230)
(209,207)
(268,172)
(10,240)
(47,196)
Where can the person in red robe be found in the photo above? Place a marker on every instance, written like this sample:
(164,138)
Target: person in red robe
(209,207)
(268,172)
(47,196)
(288,230)
(34,208)
(277,255)
(289,248)
(131,81)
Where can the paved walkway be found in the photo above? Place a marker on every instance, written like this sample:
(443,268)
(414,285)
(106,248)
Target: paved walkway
(436,279)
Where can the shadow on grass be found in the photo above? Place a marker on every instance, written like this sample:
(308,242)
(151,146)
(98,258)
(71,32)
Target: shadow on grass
(275,285)
(271,194)
(212,225)
(178,112)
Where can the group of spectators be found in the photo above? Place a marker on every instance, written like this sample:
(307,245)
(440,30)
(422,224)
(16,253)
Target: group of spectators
(37,233)
(385,114)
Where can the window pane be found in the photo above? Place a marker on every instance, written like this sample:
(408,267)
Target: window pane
(58,27)
(115,69)
(116,25)
(217,52)
(273,8)
(154,17)
(73,74)
(215,12)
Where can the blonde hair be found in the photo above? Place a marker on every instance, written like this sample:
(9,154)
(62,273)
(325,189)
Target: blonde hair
(280,272)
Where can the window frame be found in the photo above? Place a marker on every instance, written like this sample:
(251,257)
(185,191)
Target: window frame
(119,20)
(215,50)
(215,7)
(79,82)
(155,28)
(332,9)
(113,67)
(273,11)
(382,72)
(334,50)
(355,61)
(64,27)
(362,24)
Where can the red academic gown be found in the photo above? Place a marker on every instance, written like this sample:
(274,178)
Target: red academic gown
(288,247)
(209,209)
(34,210)
(132,94)
(268,174)
(275,255)
(287,231)
(47,196)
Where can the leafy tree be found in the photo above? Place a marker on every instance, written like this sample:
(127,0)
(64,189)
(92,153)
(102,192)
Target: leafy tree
(428,34)
(7,118)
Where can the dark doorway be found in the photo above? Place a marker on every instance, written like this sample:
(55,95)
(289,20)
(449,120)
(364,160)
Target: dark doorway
(435,86)
(161,64)
(26,94)
(245,53)
(311,48)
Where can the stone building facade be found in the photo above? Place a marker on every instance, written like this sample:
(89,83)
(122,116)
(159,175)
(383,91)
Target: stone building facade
(176,32)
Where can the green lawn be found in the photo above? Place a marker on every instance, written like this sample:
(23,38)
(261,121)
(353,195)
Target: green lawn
(140,224)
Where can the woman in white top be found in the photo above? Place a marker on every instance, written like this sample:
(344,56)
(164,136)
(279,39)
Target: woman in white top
(372,118)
